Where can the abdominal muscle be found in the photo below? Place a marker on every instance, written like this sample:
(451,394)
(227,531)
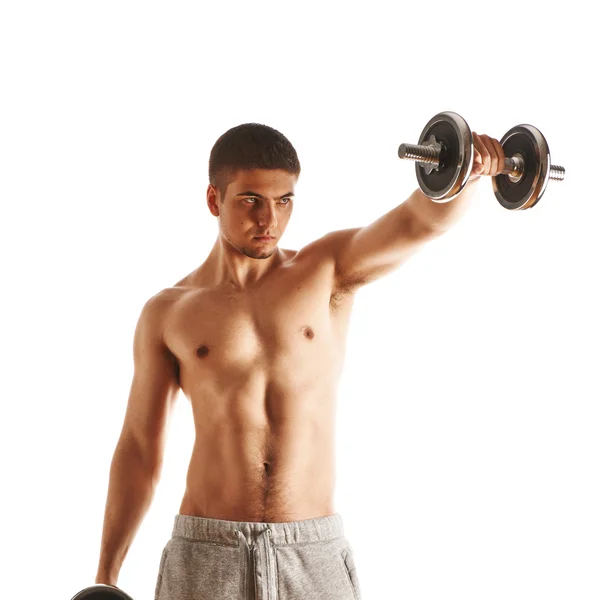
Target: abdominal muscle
(246,466)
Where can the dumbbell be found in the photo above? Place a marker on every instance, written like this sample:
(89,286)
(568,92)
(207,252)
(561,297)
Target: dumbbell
(102,592)
(444,160)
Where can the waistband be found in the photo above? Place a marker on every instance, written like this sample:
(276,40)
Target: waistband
(290,532)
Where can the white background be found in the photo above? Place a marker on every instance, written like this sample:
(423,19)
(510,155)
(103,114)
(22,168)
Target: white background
(467,446)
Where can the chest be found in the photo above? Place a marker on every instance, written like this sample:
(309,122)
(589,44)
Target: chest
(288,317)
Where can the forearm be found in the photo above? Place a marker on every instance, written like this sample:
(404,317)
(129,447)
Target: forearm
(130,492)
(442,216)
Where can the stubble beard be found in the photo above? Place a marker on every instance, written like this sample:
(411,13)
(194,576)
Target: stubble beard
(259,255)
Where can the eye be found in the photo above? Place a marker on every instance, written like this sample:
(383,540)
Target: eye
(253,199)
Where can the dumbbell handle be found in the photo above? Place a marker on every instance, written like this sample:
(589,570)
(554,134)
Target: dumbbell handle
(430,155)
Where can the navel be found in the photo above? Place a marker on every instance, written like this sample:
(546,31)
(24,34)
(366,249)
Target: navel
(202,351)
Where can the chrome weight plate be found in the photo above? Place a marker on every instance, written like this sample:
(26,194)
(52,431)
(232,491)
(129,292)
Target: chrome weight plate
(527,142)
(102,592)
(456,158)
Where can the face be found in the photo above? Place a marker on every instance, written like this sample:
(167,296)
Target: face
(257,203)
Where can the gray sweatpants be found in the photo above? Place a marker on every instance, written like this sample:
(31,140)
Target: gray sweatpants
(212,559)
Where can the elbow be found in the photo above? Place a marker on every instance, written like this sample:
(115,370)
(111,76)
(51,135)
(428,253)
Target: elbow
(131,452)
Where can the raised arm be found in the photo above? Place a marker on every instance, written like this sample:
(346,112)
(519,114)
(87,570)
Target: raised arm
(366,253)
(137,461)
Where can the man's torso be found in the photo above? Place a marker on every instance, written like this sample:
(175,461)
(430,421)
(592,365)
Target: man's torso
(260,368)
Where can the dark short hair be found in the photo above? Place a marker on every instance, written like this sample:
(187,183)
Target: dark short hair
(250,146)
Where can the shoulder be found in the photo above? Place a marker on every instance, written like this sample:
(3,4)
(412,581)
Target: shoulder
(327,247)
(156,308)
(165,298)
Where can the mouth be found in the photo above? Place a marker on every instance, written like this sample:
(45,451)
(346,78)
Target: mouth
(264,238)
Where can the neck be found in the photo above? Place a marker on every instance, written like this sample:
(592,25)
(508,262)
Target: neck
(227,266)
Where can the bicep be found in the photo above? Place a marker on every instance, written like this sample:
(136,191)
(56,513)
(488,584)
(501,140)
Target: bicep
(154,386)
(364,254)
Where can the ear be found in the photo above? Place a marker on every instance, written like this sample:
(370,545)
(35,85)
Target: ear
(212,199)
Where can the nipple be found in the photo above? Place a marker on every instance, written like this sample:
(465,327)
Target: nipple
(308,332)
(202,351)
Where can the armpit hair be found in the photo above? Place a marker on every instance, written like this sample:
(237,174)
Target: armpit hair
(347,287)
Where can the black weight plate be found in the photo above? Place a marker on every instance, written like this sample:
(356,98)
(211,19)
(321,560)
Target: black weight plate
(525,193)
(456,158)
(515,195)
(441,178)
(102,592)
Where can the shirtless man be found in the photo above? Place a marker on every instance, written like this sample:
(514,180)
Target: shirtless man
(255,337)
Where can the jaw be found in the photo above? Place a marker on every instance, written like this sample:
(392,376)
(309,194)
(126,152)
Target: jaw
(259,253)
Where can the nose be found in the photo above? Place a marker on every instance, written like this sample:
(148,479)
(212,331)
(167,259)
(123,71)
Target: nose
(267,217)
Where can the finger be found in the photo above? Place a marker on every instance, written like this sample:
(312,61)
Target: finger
(478,167)
(494,157)
(493,153)
(501,155)
(483,152)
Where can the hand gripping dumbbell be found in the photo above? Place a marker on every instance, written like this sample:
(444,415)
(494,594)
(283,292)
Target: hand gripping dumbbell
(444,159)
(101,591)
